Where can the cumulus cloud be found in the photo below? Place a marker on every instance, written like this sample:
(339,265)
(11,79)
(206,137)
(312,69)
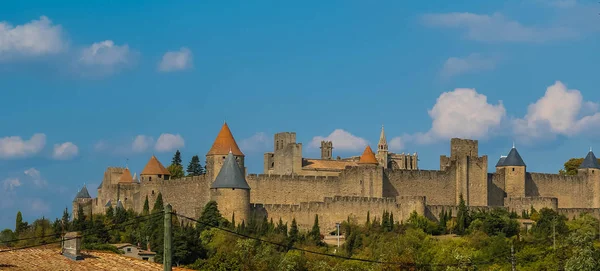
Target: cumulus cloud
(176,60)
(459,113)
(101,146)
(11,184)
(65,151)
(455,66)
(15,146)
(169,142)
(256,143)
(141,143)
(36,177)
(105,57)
(342,140)
(496,28)
(561,111)
(396,144)
(35,38)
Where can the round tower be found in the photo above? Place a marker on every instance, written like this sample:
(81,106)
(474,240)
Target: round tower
(590,169)
(153,171)
(84,201)
(223,145)
(231,191)
(514,174)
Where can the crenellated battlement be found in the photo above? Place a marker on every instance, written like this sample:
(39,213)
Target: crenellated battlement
(290,177)
(176,182)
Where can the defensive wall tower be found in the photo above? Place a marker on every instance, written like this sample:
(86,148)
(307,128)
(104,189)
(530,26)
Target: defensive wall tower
(223,145)
(590,169)
(469,169)
(153,171)
(84,201)
(514,171)
(231,191)
(326,150)
(286,157)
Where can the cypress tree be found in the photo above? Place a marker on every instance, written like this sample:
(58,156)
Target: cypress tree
(368,218)
(233,221)
(293,235)
(19,225)
(391,227)
(110,213)
(210,217)
(146,209)
(158,204)
(315,233)
(65,220)
(385,221)
(462,217)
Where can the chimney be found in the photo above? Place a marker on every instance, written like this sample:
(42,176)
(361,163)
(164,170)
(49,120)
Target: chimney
(71,246)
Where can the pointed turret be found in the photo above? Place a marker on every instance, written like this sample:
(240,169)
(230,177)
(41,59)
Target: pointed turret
(154,170)
(82,194)
(590,161)
(368,157)
(513,159)
(225,142)
(230,175)
(382,149)
(382,145)
(501,161)
(126,176)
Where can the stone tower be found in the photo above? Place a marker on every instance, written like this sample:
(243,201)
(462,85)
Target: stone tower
(223,145)
(371,175)
(382,150)
(153,171)
(514,174)
(590,169)
(84,201)
(231,191)
(326,150)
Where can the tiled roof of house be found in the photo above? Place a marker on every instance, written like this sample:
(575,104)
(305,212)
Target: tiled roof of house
(230,176)
(326,164)
(225,143)
(368,157)
(154,167)
(35,259)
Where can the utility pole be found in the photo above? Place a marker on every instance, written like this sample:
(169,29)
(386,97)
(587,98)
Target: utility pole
(512,257)
(167,257)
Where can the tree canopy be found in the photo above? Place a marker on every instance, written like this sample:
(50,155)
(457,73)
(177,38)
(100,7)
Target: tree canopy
(570,167)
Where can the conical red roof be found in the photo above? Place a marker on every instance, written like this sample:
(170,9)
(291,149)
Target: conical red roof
(368,157)
(126,176)
(154,167)
(225,143)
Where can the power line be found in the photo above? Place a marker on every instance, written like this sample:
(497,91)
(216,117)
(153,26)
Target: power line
(334,255)
(93,232)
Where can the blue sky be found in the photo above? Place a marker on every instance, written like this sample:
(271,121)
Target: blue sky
(87,85)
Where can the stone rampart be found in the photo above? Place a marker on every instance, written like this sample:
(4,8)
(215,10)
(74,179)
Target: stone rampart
(437,186)
(571,191)
(433,211)
(572,213)
(290,189)
(519,205)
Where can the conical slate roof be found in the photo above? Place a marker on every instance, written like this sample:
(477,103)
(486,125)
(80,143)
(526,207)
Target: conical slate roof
(501,161)
(513,159)
(231,175)
(368,157)
(590,161)
(108,204)
(154,167)
(82,194)
(225,143)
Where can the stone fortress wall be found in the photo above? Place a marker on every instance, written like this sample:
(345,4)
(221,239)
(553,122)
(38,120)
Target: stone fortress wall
(336,189)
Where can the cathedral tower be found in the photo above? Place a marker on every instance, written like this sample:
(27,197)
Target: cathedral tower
(231,191)
(223,145)
(382,150)
(326,150)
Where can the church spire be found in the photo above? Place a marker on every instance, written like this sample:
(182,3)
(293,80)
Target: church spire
(382,146)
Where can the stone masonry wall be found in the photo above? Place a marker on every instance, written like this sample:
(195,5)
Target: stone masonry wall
(524,204)
(337,209)
(187,195)
(290,189)
(571,191)
(438,187)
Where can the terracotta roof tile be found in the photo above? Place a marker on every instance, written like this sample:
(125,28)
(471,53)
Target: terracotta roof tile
(50,259)
(368,157)
(154,167)
(126,176)
(224,143)
(327,164)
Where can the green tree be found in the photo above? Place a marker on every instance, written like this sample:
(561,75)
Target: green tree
(20,226)
(158,204)
(570,167)
(315,232)
(176,159)
(146,209)
(462,217)
(294,234)
(194,168)
(176,171)
(210,217)
(65,220)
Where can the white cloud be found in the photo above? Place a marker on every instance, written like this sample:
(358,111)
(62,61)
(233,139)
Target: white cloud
(342,140)
(36,177)
(258,142)
(560,111)
(101,146)
(460,113)
(15,146)
(169,142)
(11,184)
(38,37)
(105,57)
(496,28)
(396,144)
(473,63)
(141,143)
(65,151)
(38,206)
(176,60)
